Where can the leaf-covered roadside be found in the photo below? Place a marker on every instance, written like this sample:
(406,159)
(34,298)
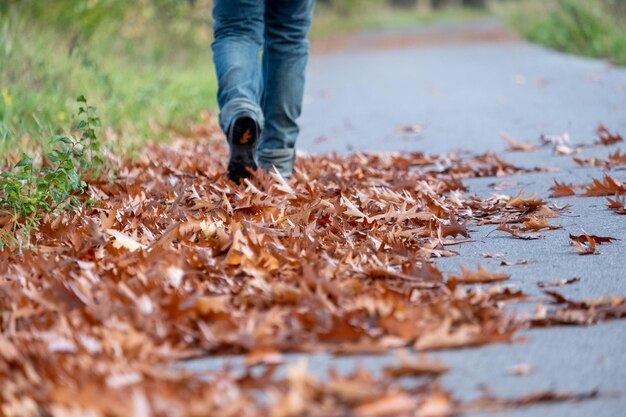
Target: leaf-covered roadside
(174,261)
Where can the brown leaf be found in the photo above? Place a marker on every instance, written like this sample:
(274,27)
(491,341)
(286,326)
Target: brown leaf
(454,228)
(124,241)
(263,356)
(489,402)
(516,232)
(515,145)
(561,189)
(586,247)
(388,405)
(482,275)
(445,337)
(608,186)
(438,404)
(410,366)
(605,137)
(598,239)
(535,224)
(618,205)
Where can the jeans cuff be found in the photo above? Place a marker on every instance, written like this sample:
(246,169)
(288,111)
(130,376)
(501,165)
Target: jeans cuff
(283,159)
(238,107)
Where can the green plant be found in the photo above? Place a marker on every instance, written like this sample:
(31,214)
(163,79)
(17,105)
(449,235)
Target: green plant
(588,27)
(30,189)
(147,64)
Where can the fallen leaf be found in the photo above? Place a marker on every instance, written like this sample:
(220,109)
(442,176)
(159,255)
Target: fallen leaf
(605,137)
(586,247)
(521,369)
(482,275)
(410,366)
(598,239)
(557,283)
(454,228)
(515,145)
(492,255)
(618,205)
(608,186)
(388,405)
(124,241)
(518,262)
(516,232)
(445,337)
(537,224)
(561,189)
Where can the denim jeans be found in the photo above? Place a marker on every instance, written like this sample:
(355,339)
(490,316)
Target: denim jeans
(260,51)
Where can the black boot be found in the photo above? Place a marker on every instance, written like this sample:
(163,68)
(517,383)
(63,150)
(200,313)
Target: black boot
(243,139)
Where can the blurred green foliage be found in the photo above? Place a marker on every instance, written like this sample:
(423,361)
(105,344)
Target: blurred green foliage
(146,63)
(595,28)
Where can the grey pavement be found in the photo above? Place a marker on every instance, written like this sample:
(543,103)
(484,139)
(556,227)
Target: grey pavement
(464,94)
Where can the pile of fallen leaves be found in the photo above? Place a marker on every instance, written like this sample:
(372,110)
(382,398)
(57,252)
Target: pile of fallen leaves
(175,261)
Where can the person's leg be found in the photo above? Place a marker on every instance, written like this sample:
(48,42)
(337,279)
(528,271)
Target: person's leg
(237,46)
(285,57)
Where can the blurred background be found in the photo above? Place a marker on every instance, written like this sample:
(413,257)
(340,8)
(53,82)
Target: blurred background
(146,64)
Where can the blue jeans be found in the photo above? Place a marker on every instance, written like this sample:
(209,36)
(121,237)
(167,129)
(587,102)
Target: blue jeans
(260,51)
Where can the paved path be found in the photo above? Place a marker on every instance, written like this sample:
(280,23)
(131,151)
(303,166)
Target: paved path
(464,89)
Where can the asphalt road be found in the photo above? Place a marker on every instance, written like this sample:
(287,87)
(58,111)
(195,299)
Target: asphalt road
(464,90)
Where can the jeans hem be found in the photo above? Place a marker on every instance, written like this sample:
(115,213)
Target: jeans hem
(237,108)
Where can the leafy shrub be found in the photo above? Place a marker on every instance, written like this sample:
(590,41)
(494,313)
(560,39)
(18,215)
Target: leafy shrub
(30,190)
(587,27)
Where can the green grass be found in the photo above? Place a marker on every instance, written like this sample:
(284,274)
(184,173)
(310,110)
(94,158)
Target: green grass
(144,74)
(377,15)
(594,28)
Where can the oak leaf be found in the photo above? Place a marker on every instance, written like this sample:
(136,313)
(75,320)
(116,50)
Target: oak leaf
(561,189)
(608,186)
(516,232)
(618,205)
(605,137)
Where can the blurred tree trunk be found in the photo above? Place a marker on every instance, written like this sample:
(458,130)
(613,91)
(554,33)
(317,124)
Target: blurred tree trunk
(425,6)
(403,3)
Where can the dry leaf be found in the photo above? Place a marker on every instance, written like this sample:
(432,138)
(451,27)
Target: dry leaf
(585,238)
(388,405)
(561,189)
(586,247)
(482,275)
(124,241)
(410,366)
(618,205)
(605,137)
(515,145)
(516,232)
(608,186)
(536,224)
(558,283)
(454,228)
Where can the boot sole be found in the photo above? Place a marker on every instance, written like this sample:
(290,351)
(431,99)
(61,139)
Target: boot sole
(243,144)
